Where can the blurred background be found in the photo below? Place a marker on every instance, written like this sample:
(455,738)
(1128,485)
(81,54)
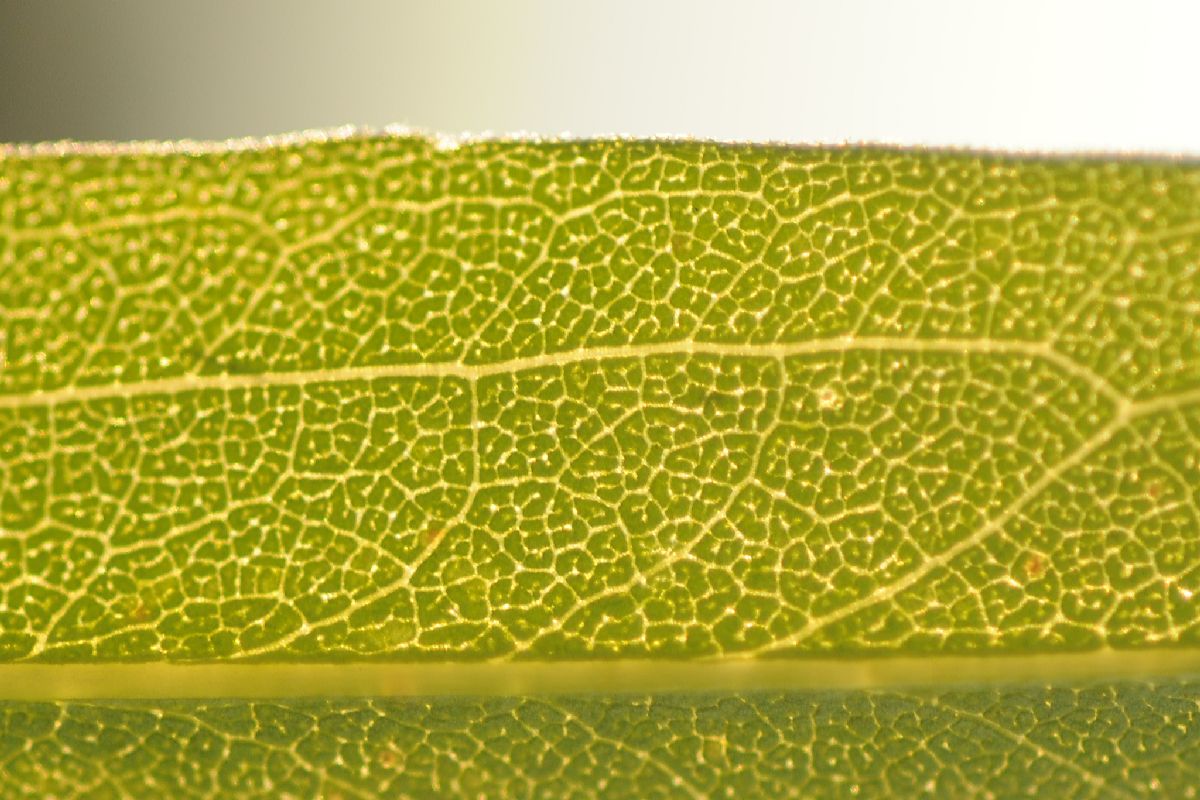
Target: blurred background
(1018,75)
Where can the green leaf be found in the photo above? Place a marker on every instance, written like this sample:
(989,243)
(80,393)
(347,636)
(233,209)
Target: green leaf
(1119,741)
(380,398)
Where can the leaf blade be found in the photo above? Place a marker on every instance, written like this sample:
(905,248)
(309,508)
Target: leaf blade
(354,353)
(1086,742)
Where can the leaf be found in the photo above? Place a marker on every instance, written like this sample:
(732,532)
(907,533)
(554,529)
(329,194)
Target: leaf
(377,398)
(1118,741)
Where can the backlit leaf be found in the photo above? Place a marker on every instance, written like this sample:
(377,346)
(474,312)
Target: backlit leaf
(376,398)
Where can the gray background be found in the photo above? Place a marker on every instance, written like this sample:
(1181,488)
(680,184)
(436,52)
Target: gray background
(1027,75)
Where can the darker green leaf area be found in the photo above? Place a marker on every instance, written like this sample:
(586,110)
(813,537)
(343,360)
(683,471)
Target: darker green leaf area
(1121,740)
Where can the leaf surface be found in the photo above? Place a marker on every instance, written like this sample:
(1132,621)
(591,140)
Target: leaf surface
(1118,741)
(377,398)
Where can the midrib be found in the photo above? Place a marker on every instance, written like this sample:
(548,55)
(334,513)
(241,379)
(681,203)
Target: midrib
(458,369)
(31,682)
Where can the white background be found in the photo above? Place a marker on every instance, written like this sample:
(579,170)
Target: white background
(1013,75)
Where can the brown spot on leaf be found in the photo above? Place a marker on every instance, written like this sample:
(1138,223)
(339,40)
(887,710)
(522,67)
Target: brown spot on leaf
(1035,567)
(1154,489)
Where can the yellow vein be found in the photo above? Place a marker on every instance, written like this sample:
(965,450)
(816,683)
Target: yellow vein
(459,369)
(162,680)
(1126,412)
